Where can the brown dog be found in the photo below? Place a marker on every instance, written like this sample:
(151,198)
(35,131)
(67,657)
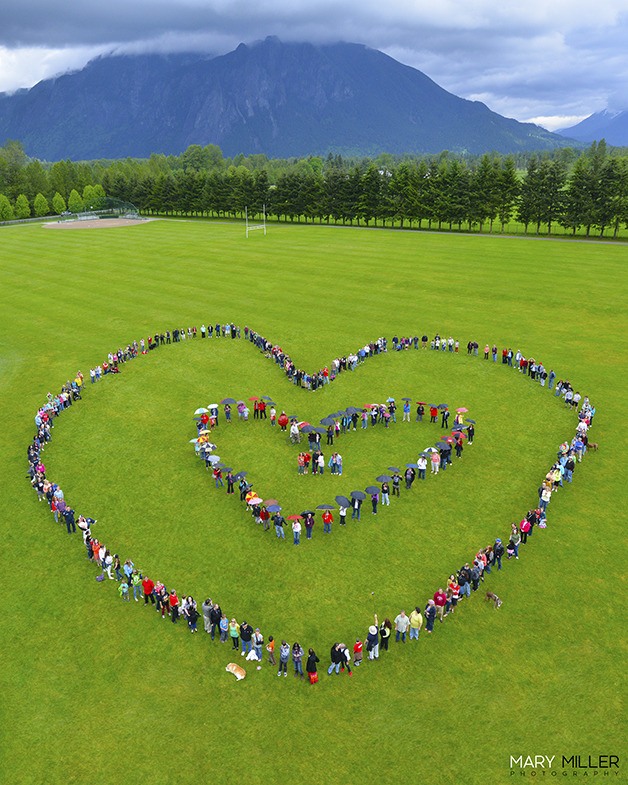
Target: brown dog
(593,446)
(237,670)
(490,597)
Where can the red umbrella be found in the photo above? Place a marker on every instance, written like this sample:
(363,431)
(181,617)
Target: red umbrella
(253,398)
(294,517)
(449,439)
(421,403)
(459,434)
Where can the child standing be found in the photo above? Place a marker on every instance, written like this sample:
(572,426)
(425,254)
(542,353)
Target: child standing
(357,652)
(270,648)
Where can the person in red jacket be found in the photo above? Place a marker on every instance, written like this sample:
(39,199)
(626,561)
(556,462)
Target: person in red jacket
(433,414)
(283,421)
(149,590)
(328,519)
(440,600)
(173,602)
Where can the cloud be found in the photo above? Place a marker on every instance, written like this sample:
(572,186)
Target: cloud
(533,59)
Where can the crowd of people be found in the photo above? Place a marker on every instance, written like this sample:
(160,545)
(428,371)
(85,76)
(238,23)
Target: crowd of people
(244,638)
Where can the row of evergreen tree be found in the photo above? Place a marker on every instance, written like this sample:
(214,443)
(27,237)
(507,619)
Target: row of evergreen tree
(585,189)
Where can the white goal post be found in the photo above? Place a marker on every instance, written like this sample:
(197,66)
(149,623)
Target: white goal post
(253,227)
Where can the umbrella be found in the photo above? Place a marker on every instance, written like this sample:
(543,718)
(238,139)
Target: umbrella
(353,410)
(320,430)
(269,502)
(406,399)
(462,409)
(372,489)
(274,508)
(442,445)
(294,517)
(292,417)
(201,411)
(308,428)
(390,400)
(383,478)
(196,418)
(240,475)
(204,431)
(343,501)
(327,421)
(431,449)
(192,441)
(308,512)
(471,421)
(424,454)
(325,507)
(442,406)
(423,403)
(339,413)
(227,468)
(358,495)
(411,466)
(301,423)
(228,400)
(213,459)
(212,406)
(449,439)
(254,500)
(240,403)
(253,398)
(394,469)
(271,403)
(266,398)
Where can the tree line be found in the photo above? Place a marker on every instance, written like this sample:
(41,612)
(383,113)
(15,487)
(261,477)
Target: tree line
(573,189)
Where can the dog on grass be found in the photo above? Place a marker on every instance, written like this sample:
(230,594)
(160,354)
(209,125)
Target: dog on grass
(237,670)
(593,446)
(490,597)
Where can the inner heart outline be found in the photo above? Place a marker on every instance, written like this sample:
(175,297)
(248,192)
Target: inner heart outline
(72,392)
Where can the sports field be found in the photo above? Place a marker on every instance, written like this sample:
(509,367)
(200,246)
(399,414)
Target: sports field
(97,690)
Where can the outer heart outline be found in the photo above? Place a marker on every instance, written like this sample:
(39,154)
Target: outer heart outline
(64,399)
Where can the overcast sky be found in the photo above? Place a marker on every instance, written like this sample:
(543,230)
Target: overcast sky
(550,61)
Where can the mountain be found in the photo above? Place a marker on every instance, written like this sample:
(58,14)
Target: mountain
(612,126)
(270,97)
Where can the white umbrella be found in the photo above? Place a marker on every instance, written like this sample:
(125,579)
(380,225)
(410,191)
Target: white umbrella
(213,406)
(201,411)
(213,458)
(193,441)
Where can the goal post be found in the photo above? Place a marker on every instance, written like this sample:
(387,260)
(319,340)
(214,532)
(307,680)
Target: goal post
(252,227)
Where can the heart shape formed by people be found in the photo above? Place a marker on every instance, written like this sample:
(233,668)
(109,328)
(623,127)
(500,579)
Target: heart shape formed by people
(317,576)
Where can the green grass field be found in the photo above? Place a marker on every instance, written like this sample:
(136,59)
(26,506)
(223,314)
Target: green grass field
(99,690)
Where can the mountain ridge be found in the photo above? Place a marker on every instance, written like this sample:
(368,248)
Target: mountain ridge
(279,99)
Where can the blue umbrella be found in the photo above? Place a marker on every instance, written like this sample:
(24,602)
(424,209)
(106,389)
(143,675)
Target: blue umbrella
(471,421)
(383,478)
(228,400)
(358,495)
(372,489)
(343,501)
(394,469)
(274,508)
(325,507)
(411,466)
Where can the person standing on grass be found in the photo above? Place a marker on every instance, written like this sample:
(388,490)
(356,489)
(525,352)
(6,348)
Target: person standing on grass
(402,622)
(385,494)
(440,601)
(435,461)
(498,552)
(297,659)
(422,464)
(284,656)
(336,657)
(270,648)
(416,622)
(385,631)
(296,531)
(372,641)
(328,519)
(149,590)
(173,604)
(258,643)
(207,608)
(357,652)
(224,628)
(396,483)
(310,666)
(430,616)
(246,636)
(234,634)
(279,522)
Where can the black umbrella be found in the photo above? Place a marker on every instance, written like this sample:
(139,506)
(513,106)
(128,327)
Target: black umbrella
(240,475)
(308,429)
(394,469)
(372,489)
(327,421)
(353,410)
(266,398)
(471,421)
(442,445)
(358,495)
(325,507)
(228,400)
(343,501)
(425,455)
(406,399)
(339,413)
(320,430)
(308,512)
(227,469)
(442,406)
(383,478)
(411,466)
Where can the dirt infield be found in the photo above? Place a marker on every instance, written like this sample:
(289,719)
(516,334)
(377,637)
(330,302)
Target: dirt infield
(98,223)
